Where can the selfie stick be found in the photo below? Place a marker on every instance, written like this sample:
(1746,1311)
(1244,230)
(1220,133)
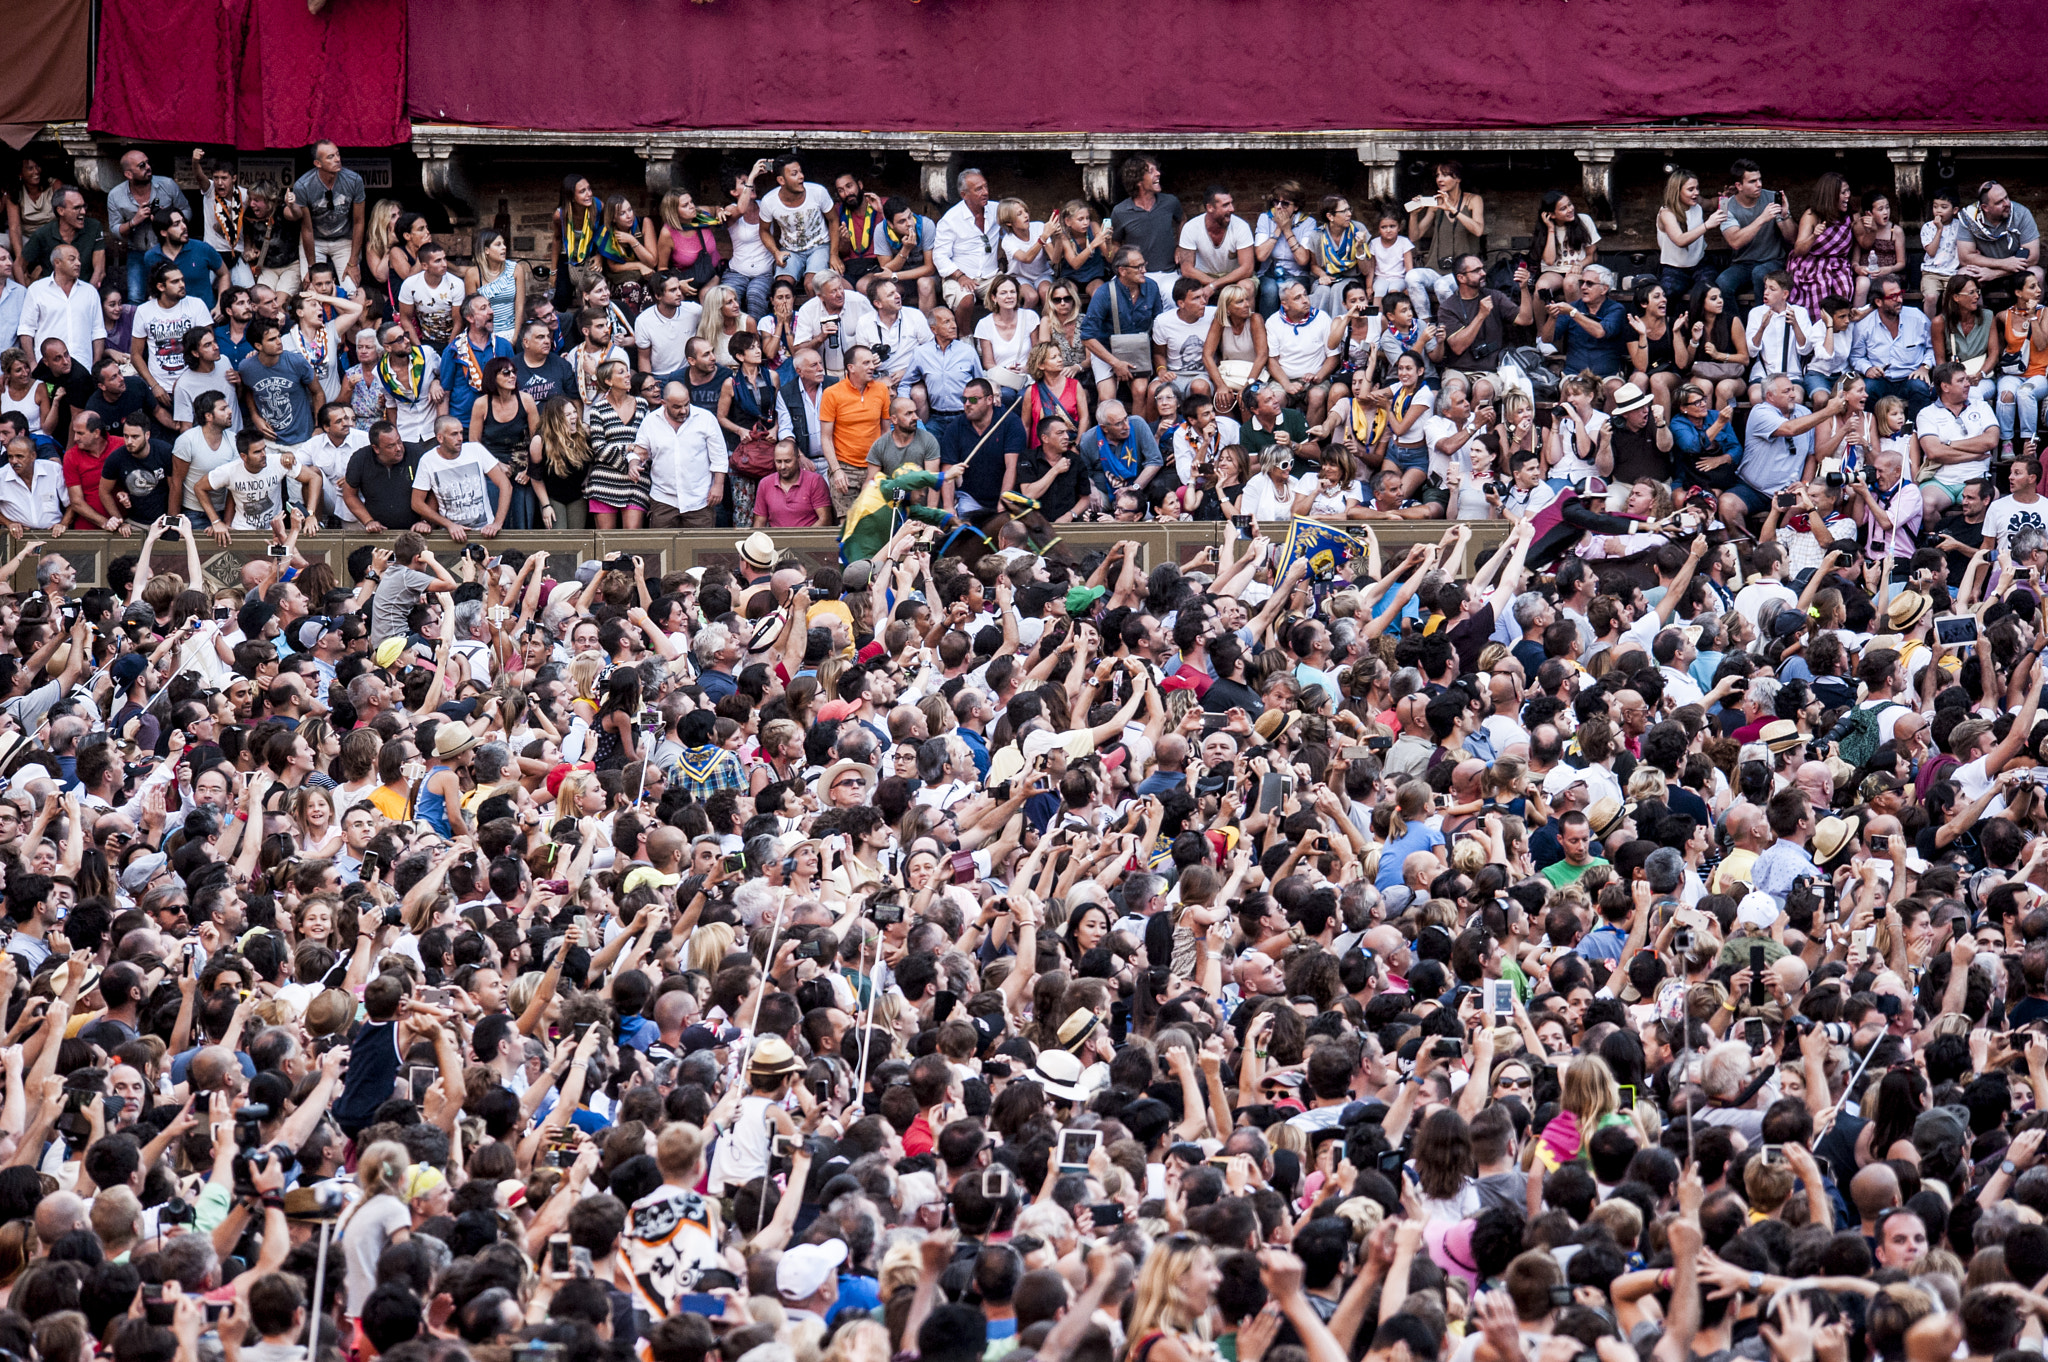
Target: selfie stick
(868,1027)
(319,1291)
(1852,1081)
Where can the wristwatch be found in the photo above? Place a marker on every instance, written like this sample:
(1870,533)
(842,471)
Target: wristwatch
(2008,1167)
(1756,1282)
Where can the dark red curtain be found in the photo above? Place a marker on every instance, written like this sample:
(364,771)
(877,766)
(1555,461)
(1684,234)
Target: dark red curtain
(43,80)
(1223,65)
(252,73)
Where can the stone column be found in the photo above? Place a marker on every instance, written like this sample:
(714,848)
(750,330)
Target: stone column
(1382,162)
(1908,165)
(660,158)
(1596,174)
(935,170)
(96,165)
(1096,181)
(442,176)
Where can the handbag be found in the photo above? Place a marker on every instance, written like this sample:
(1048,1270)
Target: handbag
(754,457)
(1132,349)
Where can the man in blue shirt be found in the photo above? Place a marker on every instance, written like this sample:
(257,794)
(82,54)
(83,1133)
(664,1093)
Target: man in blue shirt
(1785,862)
(991,461)
(206,274)
(462,363)
(1775,449)
(1122,452)
(1594,333)
(1125,306)
(944,364)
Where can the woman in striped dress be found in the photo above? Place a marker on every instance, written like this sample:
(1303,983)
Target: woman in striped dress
(617,487)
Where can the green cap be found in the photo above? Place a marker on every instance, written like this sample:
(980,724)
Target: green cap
(1082,599)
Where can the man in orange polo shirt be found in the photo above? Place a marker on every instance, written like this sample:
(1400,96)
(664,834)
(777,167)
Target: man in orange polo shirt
(851,416)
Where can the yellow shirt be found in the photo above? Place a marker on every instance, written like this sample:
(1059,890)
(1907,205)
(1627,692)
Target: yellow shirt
(388,803)
(1735,867)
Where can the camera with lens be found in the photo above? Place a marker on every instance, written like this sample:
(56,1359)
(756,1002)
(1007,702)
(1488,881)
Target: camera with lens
(881,350)
(251,1153)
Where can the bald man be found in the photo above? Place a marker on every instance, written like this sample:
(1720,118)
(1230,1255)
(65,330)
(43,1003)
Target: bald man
(1817,783)
(1391,949)
(1504,725)
(1750,834)
(1169,772)
(1465,794)
(58,1215)
(1258,975)
(1409,756)
(1873,1191)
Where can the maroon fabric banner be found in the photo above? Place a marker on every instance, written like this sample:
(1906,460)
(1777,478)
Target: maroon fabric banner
(49,62)
(1219,65)
(255,74)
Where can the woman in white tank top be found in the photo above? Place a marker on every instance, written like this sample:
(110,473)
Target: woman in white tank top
(21,393)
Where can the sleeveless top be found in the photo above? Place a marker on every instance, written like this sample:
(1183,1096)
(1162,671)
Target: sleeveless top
(1683,257)
(611,753)
(507,440)
(392,282)
(366,398)
(502,293)
(1884,252)
(1074,351)
(2020,340)
(26,405)
(749,257)
(1448,236)
(432,807)
(1962,348)
(37,209)
(1239,345)
(1662,358)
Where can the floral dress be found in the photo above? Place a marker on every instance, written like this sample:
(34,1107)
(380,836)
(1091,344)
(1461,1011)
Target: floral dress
(1826,269)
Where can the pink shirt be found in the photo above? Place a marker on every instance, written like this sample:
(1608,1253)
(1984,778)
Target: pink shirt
(799,506)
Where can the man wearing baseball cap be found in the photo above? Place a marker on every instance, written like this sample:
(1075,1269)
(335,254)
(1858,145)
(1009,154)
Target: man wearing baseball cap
(807,1279)
(319,637)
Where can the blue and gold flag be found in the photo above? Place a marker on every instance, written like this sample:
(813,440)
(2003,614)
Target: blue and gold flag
(1326,548)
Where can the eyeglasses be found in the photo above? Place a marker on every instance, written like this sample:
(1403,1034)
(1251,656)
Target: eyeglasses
(853,782)
(1514,1083)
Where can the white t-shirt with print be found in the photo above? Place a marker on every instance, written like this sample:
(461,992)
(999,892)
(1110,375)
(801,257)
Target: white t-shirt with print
(461,485)
(259,496)
(162,330)
(2009,515)
(1182,339)
(433,304)
(802,227)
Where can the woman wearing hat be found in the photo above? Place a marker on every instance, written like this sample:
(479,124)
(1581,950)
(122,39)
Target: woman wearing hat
(440,799)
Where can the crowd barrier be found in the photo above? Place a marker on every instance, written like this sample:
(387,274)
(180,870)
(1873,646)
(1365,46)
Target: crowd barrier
(91,553)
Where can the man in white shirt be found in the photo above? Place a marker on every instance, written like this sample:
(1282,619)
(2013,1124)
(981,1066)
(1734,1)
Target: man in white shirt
(833,322)
(964,251)
(255,482)
(797,214)
(411,376)
(205,372)
(1298,350)
(334,443)
(1200,437)
(2020,509)
(160,324)
(1179,337)
(1780,332)
(32,495)
(1766,584)
(1957,436)
(1216,248)
(64,306)
(686,456)
(452,487)
(661,334)
(428,299)
(209,443)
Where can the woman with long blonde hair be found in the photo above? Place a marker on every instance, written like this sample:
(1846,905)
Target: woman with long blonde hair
(1170,1308)
(382,1218)
(584,671)
(1591,1100)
